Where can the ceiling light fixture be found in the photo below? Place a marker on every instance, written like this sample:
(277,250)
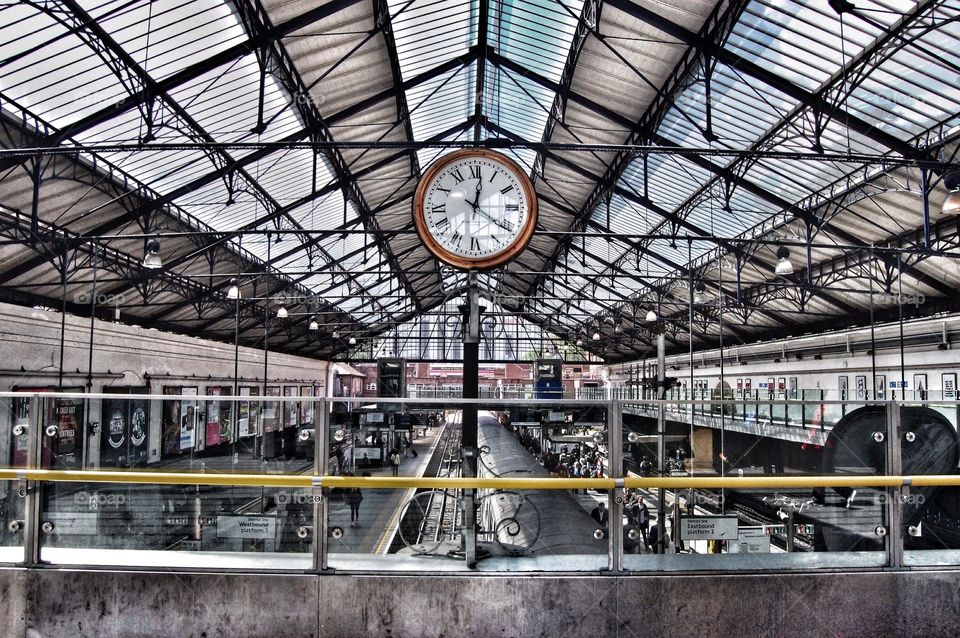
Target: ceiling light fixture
(313,324)
(233,292)
(951,205)
(151,256)
(700,294)
(651,315)
(784,266)
(282,312)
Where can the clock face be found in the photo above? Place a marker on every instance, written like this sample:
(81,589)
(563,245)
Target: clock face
(475,209)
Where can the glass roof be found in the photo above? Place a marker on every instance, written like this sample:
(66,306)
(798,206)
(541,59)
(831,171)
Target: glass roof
(870,82)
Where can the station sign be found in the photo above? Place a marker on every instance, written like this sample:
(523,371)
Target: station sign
(72,523)
(246,527)
(753,540)
(702,528)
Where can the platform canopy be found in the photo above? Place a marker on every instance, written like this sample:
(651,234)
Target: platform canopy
(681,150)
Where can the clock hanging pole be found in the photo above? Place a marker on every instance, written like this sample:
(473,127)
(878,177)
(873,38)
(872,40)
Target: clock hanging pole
(471,390)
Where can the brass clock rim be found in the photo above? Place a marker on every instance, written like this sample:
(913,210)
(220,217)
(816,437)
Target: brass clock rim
(467,263)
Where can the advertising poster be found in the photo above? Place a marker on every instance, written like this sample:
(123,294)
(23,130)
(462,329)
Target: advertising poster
(243,415)
(170,424)
(861,387)
(65,450)
(113,437)
(213,418)
(226,416)
(881,389)
(306,406)
(188,419)
(920,386)
(255,408)
(271,410)
(138,449)
(291,409)
(949,385)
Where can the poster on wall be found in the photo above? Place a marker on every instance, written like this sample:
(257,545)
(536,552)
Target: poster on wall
(949,380)
(170,423)
(746,384)
(920,386)
(243,414)
(254,410)
(881,389)
(271,410)
(861,387)
(113,437)
(213,417)
(843,387)
(138,451)
(291,409)
(188,419)
(306,406)
(65,450)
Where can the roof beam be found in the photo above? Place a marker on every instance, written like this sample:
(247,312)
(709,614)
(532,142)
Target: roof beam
(192,72)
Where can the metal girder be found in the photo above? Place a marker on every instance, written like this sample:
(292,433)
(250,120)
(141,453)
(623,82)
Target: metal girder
(190,73)
(589,15)
(381,15)
(629,195)
(285,71)
(716,27)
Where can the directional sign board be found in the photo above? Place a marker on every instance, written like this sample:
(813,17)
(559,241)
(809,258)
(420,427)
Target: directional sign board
(753,540)
(702,528)
(246,526)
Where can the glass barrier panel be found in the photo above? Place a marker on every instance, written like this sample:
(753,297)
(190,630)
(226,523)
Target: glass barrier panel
(754,528)
(931,514)
(423,528)
(15,422)
(143,523)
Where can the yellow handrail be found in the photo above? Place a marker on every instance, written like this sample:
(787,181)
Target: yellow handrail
(403,482)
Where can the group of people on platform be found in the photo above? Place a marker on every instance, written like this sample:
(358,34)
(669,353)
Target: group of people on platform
(588,464)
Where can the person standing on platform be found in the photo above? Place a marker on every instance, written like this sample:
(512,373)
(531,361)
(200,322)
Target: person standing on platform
(354,498)
(600,514)
(395,462)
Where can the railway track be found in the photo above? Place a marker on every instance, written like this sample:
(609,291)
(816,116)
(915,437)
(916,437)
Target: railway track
(432,517)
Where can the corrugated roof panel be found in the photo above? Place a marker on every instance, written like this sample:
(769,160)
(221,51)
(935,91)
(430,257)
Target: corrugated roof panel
(800,41)
(61,81)
(166,37)
(437,105)
(225,103)
(430,33)
(534,33)
(916,87)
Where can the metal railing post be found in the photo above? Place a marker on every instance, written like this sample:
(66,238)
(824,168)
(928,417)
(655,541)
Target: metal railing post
(895,495)
(321,463)
(32,508)
(615,500)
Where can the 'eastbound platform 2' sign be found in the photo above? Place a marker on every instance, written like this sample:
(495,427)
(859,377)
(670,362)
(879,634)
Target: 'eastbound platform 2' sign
(702,528)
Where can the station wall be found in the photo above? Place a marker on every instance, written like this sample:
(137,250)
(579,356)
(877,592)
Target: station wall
(129,358)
